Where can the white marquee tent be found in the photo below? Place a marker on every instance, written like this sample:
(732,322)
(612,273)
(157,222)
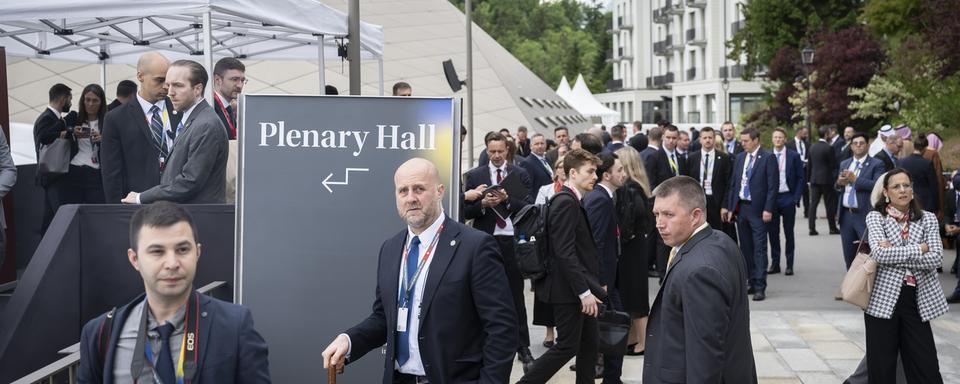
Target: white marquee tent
(583,101)
(564,90)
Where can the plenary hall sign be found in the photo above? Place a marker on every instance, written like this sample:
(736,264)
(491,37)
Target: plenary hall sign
(315,202)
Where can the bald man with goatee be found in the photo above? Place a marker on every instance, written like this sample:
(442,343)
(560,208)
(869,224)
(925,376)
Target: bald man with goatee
(138,135)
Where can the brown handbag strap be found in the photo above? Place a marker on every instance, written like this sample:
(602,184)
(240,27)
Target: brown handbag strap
(861,243)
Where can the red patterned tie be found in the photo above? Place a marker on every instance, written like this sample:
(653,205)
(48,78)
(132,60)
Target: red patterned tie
(500,223)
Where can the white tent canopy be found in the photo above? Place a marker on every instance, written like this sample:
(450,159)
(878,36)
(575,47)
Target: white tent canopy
(119,31)
(583,101)
(564,90)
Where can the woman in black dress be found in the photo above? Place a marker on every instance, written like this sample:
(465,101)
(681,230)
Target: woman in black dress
(635,219)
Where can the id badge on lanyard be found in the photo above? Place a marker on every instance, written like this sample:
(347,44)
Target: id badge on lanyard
(403,310)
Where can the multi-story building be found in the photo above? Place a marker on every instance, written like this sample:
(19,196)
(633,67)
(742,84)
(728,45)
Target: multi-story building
(670,62)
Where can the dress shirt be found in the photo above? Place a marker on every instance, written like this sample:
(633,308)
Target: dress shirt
(55,112)
(674,162)
(744,180)
(86,156)
(676,250)
(892,157)
(507,230)
(801,149)
(164,115)
(653,146)
(123,356)
(414,365)
(707,161)
(782,166)
(834,140)
(730,146)
(607,189)
(856,165)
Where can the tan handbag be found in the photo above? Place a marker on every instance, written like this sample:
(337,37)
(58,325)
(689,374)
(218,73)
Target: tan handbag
(857,285)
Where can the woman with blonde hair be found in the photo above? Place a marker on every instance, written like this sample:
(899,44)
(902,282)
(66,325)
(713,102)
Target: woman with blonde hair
(635,220)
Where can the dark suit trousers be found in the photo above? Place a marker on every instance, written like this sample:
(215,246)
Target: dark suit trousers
(753,244)
(613,365)
(516,286)
(54,195)
(852,227)
(577,337)
(829,194)
(713,213)
(788,215)
(904,334)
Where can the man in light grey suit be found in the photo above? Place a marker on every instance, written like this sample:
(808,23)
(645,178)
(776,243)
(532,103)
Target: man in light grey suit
(195,173)
(699,324)
(8,178)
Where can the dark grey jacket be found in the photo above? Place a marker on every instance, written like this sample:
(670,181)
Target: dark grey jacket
(197,168)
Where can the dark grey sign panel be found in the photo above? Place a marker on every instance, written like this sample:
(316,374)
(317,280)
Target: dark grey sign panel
(315,202)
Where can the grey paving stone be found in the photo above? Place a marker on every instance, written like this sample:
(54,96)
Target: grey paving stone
(802,359)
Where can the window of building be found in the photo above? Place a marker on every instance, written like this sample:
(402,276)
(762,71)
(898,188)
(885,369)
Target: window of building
(711,109)
(742,105)
(681,111)
(693,116)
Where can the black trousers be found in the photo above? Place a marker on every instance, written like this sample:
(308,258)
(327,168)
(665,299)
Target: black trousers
(54,195)
(578,337)
(516,286)
(829,195)
(84,186)
(613,365)
(904,334)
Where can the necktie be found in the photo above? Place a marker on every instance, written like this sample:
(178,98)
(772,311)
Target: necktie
(164,360)
(803,149)
(851,195)
(500,223)
(403,342)
(673,163)
(706,168)
(673,254)
(749,170)
(156,127)
(545,164)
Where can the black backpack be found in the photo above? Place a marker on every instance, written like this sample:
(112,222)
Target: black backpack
(532,240)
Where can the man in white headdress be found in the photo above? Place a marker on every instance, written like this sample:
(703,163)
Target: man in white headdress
(877,145)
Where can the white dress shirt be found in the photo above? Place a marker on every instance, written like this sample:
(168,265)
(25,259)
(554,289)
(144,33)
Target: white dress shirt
(707,183)
(748,165)
(164,115)
(801,148)
(414,365)
(848,190)
(507,230)
(782,166)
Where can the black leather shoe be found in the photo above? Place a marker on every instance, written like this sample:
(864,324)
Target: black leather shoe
(774,270)
(954,298)
(834,231)
(524,355)
(788,271)
(813,232)
(750,290)
(548,344)
(759,296)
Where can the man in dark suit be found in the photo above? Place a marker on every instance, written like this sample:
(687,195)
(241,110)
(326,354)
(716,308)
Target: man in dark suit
(684,147)
(486,219)
(125,91)
(712,168)
(845,151)
(164,250)
(951,225)
(603,221)
(858,175)
(838,143)
(699,324)
(752,198)
(523,142)
(730,144)
(671,136)
(136,135)
(228,81)
(924,176)
(618,134)
(195,172)
(49,127)
(561,135)
(790,188)
(639,140)
(892,144)
(541,173)
(800,144)
(658,169)
(824,169)
(572,284)
(456,322)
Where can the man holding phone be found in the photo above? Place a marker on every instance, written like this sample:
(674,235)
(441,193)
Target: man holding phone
(492,213)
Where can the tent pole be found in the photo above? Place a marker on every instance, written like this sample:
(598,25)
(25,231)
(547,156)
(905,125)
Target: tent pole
(380,65)
(469,80)
(321,59)
(103,74)
(208,56)
(353,49)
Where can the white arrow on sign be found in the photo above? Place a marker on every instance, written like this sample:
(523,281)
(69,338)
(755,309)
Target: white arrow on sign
(346,178)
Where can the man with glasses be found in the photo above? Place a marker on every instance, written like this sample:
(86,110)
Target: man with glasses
(857,176)
(228,81)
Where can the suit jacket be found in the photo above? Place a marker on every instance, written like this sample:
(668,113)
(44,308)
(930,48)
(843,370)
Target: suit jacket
(657,165)
(468,325)
(539,176)
(870,171)
(8,174)
(129,160)
(737,147)
(575,262)
(603,221)
(699,324)
(196,172)
(824,166)
(681,163)
(485,219)
(638,141)
(613,147)
(796,178)
(764,182)
(722,165)
(523,148)
(924,181)
(46,129)
(888,162)
(113,104)
(838,147)
(792,144)
(230,349)
(225,119)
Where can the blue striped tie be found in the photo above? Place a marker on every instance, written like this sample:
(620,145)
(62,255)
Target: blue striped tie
(156,126)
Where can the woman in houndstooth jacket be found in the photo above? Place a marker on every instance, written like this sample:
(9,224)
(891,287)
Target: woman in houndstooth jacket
(905,241)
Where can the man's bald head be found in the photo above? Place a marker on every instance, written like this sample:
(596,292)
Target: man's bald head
(152,74)
(418,166)
(419,193)
(596,131)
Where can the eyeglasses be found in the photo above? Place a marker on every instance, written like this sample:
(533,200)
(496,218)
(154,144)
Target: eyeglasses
(902,187)
(858,143)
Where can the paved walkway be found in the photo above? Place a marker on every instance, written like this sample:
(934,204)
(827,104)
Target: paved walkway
(800,334)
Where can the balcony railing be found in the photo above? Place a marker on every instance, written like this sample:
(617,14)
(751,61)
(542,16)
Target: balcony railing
(669,77)
(691,34)
(697,3)
(614,85)
(661,17)
(732,71)
(676,8)
(662,47)
(692,74)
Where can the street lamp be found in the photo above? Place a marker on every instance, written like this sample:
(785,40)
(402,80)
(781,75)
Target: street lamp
(806,56)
